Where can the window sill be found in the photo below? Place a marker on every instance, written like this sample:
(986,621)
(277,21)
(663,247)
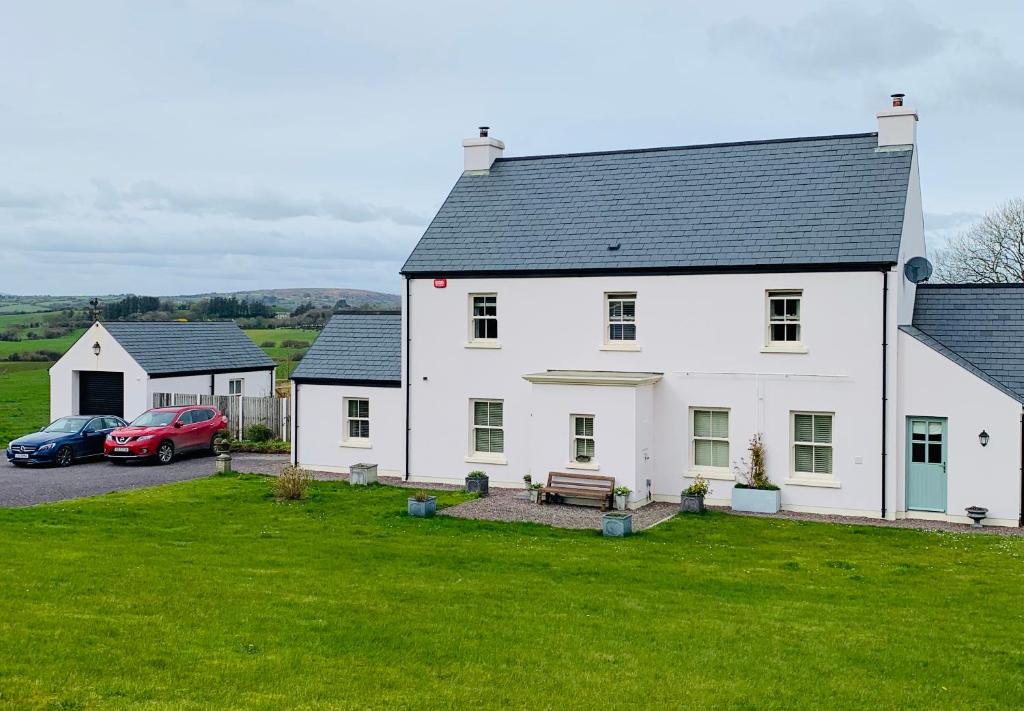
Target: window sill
(622,347)
(796,480)
(356,443)
(784,349)
(718,474)
(485,459)
(588,466)
(483,344)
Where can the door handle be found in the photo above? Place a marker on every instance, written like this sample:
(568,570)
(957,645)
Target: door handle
(943,467)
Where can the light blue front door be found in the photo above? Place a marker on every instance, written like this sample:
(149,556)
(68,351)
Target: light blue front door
(926,463)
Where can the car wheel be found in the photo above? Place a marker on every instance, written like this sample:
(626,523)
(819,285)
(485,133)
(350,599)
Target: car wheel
(64,457)
(165,453)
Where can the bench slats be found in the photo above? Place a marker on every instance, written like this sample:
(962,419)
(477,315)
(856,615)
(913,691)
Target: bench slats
(581,486)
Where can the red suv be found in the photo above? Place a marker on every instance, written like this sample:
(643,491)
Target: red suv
(163,432)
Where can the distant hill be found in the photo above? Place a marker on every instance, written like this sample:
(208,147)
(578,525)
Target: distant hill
(288,299)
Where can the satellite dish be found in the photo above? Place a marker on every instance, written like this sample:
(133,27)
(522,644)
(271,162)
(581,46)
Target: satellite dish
(917,270)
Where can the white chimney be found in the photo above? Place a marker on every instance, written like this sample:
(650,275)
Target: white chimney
(483,151)
(897,126)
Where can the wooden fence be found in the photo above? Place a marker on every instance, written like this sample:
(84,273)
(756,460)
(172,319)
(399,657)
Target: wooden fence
(241,411)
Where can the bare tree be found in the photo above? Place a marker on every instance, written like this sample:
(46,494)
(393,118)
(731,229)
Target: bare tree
(989,252)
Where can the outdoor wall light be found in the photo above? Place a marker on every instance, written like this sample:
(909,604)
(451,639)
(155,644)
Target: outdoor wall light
(96,348)
(983,438)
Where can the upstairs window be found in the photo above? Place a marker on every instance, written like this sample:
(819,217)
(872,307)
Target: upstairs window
(784,318)
(488,427)
(583,439)
(621,322)
(357,419)
(812,443)
(484,317)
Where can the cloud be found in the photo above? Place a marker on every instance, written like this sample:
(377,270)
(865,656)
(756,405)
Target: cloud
(940,227)
(838,41)
(260,204)
(30,200)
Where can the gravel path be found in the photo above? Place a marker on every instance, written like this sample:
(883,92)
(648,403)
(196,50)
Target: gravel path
(911,523)
(24,486)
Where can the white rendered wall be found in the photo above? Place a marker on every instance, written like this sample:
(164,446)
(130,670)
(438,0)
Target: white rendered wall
(257,383)
(79,357)
(912,244)
(931,385)
(704,332)
(319,439)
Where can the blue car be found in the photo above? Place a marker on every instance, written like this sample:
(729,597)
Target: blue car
(64,440)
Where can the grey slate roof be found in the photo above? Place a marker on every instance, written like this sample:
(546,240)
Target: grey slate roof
(355,348)
(833,200)
(980,328)
(163,347)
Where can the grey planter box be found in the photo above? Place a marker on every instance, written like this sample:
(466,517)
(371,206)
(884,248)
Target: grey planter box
(756,500)
(621,502)
(423,509)
(691,504)
(617,524)
(362,474)
(479,485)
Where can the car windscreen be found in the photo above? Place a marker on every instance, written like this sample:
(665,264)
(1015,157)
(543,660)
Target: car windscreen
(153,419)
(66,425)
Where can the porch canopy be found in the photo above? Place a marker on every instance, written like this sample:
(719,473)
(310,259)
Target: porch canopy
(612,411)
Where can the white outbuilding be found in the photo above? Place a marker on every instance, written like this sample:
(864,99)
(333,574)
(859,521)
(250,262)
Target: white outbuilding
(115,368)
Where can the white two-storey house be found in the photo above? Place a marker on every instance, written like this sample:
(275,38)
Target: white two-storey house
(644,313)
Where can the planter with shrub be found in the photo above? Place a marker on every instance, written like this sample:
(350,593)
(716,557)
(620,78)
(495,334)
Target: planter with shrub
(755,493)
(622,497)
(533,492)
(422,505)
(477,483)
(222,442)
(692,498)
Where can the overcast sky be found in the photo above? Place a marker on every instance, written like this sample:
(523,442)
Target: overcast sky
(177,147)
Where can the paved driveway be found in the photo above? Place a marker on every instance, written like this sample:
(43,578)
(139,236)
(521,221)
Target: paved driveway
(23,486)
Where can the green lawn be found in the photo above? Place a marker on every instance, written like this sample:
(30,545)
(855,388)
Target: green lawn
(208,594)
(24,399)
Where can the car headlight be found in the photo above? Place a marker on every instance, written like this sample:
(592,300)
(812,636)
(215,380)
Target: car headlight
(143,438)
(48,445)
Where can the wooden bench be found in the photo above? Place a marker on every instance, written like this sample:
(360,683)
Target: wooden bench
(579,486)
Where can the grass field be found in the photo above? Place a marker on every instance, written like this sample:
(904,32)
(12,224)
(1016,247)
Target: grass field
(24,399)
(57,345)
(283,356)
(208,594)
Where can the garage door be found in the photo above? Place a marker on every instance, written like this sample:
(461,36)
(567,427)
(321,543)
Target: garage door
(100,393)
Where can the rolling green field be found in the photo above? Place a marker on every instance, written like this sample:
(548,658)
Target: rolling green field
(283,356)
(57,345)
(208,594)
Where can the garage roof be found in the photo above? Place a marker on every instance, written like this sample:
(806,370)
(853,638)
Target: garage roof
(978,326)
(355,349)
(177,348)
(820,202)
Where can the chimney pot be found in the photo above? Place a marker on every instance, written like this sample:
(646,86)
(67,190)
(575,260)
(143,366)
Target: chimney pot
(897,100)
(484,131)
(897,124)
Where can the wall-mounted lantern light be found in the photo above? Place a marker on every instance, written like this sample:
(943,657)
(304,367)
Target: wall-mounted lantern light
(983,438)
(96,348)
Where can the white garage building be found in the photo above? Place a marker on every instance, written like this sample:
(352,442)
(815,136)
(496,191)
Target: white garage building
(115,368)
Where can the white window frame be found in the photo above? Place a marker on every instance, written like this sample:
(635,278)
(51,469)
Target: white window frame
(784,346)
(485,457)
(711,472)
(825,479)
(241,386)
(472,341)
(620,344)
(347,439)
(573,437)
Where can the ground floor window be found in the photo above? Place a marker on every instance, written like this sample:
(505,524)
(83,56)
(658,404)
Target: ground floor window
(235,386)
(710,439)
(357,419)
(812,443)
(583,438)
(488,432)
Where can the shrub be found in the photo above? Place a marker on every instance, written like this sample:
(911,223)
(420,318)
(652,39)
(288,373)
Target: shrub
(268,344)
(291,343)
(699,487)
(476,475)
(622,491)
(421,496)
(754,471)
(258,433)
(292,483)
